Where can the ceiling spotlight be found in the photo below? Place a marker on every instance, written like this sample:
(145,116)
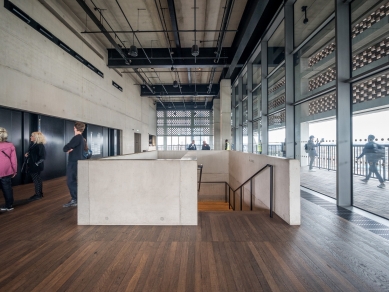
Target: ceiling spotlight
(133,51)
(175,84)
(172,68)
(127,62)
(195,50)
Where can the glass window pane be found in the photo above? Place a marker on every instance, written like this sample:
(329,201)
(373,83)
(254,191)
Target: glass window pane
(314,64)
(317,155)
(237,97)
(371,144)
(257,102)
(276,48)
(257,140)
(370,35)
(276,146)
(257,75)
(316,12)
(276,90)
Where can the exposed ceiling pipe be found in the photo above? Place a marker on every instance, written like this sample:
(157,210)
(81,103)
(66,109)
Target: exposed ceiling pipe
(134,34)
(226,20)
(159,99)
(143,80)
(102,28)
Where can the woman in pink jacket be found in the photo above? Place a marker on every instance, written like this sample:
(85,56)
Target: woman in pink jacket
(8,169)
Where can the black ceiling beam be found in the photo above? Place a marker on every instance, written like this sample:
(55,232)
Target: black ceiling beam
(173,18)
(186,90)
(164,30)
(160,58)
(185,106)
(255,19)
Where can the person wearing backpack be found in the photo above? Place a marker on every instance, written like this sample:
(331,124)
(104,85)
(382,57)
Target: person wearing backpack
(373,152)
(35,157)
(8,169)
(310,148)
(87,152)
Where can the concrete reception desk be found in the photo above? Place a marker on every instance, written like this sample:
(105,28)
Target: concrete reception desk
(128,191)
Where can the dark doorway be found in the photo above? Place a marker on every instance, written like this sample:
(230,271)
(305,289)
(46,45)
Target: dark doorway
(137,143)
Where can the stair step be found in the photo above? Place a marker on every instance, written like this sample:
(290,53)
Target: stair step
(213,206)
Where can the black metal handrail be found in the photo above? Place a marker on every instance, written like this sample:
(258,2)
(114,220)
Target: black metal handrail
(200,167)
(251,187)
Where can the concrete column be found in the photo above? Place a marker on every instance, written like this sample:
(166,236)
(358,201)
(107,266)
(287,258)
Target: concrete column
(343,105)
(217,143)
(289,81)
(264,130)
(225,111)
(250,106)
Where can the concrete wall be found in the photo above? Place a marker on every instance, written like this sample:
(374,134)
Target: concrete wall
(286,183)
(137,192)
(38,76)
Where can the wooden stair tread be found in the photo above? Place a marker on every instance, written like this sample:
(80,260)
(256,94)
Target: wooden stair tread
(213,206)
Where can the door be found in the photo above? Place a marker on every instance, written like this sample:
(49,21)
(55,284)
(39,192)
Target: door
(137,142)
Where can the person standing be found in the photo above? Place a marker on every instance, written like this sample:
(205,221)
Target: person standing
(311,150)
(36,156)
(205,146)
(8,169)
(227,145)
(259,147)
(373,152)
(75,148)
(192,146)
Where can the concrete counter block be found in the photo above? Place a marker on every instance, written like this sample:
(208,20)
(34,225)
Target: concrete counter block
(137,192)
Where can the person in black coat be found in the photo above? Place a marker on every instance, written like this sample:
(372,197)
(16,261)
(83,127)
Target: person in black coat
(35,158)
(75,149)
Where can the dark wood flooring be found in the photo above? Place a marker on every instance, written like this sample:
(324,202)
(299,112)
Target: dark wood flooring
(43,249)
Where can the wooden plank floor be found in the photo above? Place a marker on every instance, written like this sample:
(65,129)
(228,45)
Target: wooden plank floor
(43,249)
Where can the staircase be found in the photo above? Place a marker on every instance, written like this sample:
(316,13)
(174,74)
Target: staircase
(205,206)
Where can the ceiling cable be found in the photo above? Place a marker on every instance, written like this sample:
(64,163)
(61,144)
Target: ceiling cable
(164,27)
(102,16)
(133,31)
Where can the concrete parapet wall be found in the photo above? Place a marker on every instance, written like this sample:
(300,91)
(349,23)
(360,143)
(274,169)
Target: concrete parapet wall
(135,156)
(286,183)
(137,192)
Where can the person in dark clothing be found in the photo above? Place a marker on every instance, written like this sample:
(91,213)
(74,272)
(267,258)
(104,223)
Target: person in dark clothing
(75,148)
(36,156)
(192,146)
(205,146)
(372,152)
(227,145)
